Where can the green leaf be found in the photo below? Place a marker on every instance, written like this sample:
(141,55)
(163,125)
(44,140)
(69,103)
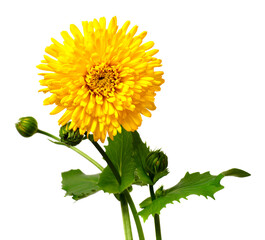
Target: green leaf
(160,175)
(120,152)
(145,203)
(108,182)
(140,152)
(79,185)
(199,184)
(236,173)
(159,192)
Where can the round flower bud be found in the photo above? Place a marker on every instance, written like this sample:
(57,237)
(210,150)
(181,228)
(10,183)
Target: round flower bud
(69,136)
(156,162)
(27,126)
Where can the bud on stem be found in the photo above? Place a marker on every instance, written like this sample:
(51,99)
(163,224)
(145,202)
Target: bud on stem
(27,126)
(156,162)
(69,136)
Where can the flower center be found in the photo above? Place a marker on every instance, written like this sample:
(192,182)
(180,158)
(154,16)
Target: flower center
(102,79)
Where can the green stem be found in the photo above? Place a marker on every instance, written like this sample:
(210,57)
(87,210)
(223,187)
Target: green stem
(135,215)
(107,159)
(49,135)
(156,217)
(87,157)
(75,149)
(126,192)
(126,218)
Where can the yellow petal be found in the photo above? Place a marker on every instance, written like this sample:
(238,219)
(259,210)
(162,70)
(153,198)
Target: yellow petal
(146,113)
(57,110)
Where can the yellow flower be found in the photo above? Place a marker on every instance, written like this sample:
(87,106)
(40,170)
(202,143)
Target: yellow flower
(104,78)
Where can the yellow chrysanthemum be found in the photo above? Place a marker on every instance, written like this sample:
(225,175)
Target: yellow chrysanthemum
(104,78)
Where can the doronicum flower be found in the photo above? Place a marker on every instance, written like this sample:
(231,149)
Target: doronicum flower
(27,126)
(103,78)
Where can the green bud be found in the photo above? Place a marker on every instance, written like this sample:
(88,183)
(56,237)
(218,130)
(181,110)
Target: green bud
(27,126)
(70,137)
(160,191)
(156,162)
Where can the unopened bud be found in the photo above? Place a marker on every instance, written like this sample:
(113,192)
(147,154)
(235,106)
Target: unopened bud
(156,162)
(27,126)
(69,136)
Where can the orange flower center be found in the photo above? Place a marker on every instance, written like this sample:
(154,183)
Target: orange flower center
(102,79)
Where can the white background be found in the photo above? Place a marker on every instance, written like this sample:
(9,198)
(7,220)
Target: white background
(209,117)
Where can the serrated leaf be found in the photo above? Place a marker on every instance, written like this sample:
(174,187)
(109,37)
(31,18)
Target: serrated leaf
(199,184)
(79,185)
(145,203)
(159,192)
(140,152)
(120,153)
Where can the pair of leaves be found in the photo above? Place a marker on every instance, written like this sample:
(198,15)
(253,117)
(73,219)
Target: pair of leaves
(78,185)
(127,152)
(199,184)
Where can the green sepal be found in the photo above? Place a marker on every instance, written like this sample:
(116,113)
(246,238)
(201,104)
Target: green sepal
(199,184)
(160,175)
(79,185)
(58,143)
(69,136)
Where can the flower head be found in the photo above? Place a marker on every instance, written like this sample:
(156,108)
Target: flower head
(104,78)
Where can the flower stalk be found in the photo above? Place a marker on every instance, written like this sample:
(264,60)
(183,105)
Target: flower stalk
(135,215)
(125,192)
(94,162)
(126,218)
(107,159)
(156,217)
